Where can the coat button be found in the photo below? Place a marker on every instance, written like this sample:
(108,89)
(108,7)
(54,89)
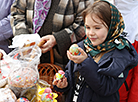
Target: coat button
(87,86)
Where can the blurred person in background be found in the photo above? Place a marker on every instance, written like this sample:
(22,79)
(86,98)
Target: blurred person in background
(129,8)
(58,22)
(5,27)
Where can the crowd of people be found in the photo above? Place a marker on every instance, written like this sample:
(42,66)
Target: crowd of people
(105,32)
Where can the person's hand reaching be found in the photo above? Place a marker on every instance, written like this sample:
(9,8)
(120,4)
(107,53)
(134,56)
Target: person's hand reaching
(50,41)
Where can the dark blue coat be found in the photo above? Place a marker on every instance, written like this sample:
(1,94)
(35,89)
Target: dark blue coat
(102,79)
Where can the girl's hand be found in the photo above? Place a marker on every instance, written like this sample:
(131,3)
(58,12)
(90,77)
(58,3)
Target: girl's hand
(60,83)
(77,58)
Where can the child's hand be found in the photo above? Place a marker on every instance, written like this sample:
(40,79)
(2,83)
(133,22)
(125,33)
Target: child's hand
(62,83)
(77,58)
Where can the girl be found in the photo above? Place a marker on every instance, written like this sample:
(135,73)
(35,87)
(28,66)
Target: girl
(104,61)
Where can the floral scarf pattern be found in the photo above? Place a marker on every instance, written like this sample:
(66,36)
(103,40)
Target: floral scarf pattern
(41,9)
(113,40)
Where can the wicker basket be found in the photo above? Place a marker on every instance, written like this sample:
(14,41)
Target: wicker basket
(47,72)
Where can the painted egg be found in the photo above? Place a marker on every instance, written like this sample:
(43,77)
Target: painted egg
(46,97)
(23,100)
(59,76)
(61,72)
(74,49)
(48,90)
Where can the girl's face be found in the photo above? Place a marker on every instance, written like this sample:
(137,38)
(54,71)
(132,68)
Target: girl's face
(95,31)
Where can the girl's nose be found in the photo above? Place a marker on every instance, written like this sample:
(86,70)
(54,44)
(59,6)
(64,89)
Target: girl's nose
(91,32)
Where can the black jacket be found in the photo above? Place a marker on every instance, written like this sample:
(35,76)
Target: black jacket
(102,79)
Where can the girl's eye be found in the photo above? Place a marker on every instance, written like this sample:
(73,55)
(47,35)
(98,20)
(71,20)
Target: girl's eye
(97,27)
(87,27)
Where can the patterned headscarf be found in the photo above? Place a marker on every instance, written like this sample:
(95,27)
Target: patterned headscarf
(113,40)
(41,9)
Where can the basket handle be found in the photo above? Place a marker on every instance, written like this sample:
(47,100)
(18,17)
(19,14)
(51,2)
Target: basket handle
(52,56)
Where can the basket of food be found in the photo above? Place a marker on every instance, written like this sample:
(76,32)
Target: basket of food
(47,72)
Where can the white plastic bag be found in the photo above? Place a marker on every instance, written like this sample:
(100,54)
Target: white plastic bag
(4,68)
(24,74)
